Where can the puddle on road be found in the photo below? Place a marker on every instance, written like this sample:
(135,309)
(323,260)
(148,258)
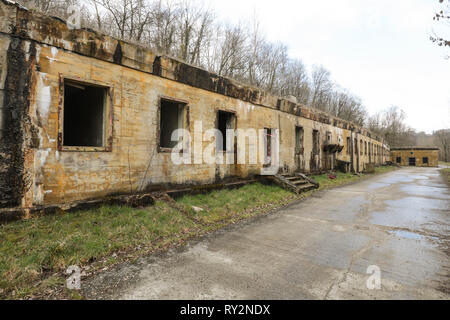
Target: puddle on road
(434,191)
(411,235)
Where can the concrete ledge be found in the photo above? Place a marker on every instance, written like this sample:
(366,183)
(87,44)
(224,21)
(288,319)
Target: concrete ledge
(176,193)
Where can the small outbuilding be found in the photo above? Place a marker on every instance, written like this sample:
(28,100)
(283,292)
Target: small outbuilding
(416,156)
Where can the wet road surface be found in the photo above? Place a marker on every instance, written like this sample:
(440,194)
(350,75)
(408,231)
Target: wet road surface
(320,248)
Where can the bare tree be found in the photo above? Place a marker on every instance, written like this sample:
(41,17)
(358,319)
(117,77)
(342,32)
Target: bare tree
(322,87)
(270,64)
(51,7)
(119,11)
(443,139)
(188,31)
(229,49)
(391,124)
(294,81)
(442,16)
(346,106)
(129,18)
(140,19)
(98,18)
(256,44)
(163,27)
(375,124)
(194,26)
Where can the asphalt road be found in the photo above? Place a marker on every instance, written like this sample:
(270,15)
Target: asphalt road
(319,248)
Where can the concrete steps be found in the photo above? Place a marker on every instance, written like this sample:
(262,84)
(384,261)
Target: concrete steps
(297,183)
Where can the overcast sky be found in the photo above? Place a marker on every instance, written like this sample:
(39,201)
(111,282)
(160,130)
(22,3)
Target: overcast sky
(378,49)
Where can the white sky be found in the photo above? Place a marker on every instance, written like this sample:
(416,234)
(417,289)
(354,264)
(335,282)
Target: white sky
(378,49)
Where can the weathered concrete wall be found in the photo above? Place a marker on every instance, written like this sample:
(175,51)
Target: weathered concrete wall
(46,51)
(134,160)
(418,154)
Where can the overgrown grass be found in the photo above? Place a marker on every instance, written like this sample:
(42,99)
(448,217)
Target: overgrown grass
(36,249)
(33,249)
(224,205)
(345,178)
(35,253)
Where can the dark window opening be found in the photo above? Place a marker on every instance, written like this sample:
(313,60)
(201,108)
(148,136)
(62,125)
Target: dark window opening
(84,115)
(412,162)
(425,161)
(268,146)
(399,160)
(315,156)
(226,121)
(299,139)
(316,142)
(171,119)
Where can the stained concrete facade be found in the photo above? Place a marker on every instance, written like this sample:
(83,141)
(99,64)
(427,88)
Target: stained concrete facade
(415,156)
(40,56)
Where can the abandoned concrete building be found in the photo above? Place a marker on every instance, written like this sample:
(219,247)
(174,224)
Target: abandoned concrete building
(85,116)
(416,156)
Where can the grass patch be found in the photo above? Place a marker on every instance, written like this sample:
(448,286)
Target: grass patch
(35,253)
(32,250)
(226,205)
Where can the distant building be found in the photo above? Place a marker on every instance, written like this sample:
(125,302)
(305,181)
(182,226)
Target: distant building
(416,156)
